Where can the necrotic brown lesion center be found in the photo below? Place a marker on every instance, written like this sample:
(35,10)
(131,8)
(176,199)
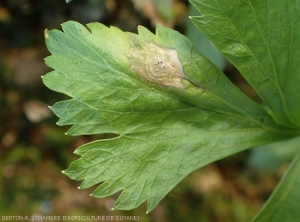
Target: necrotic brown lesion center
(156,64)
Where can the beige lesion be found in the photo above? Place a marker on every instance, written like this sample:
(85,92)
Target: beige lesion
(156,64)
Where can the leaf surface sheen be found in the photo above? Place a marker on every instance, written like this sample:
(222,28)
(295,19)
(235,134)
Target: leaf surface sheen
(260,38)
(164,133)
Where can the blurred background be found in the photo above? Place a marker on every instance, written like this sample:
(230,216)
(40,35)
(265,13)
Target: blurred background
(34,150)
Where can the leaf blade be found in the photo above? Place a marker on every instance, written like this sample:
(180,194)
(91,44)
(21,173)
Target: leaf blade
(283,205)
(166,127)
(158,162)
(257,37)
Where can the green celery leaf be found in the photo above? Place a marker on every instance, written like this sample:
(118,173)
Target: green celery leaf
(201,42)
(261,39)
(164,132)
(283,205)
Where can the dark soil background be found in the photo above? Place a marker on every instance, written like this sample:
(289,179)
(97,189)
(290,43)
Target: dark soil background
(34,150)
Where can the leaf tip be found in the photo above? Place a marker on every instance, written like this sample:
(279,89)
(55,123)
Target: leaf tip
(113,208)
(63,171)
(46,34)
